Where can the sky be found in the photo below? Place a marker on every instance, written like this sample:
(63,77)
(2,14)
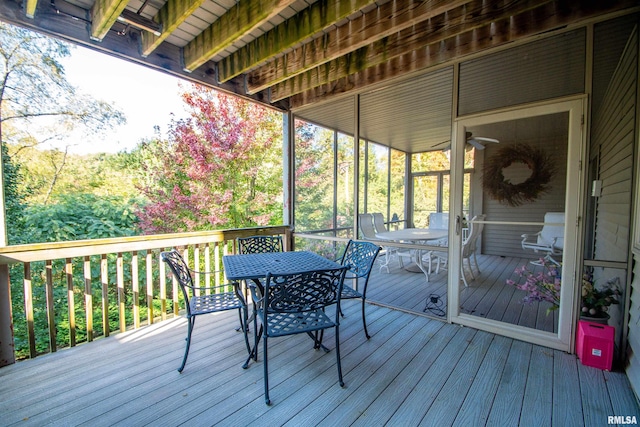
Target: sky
(145,96)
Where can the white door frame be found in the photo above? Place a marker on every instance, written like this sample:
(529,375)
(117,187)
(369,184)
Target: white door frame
(576,154)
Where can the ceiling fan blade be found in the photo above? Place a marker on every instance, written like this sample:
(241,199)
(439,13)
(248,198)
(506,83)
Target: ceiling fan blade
(485,139)
(442,145)
(475,144)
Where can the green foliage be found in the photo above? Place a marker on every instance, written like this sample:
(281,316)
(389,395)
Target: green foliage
(14,199)
(79,217)
(314,177)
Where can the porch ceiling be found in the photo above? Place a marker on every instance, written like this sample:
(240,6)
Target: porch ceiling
(291,54)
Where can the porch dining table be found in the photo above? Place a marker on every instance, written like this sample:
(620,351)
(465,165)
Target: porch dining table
(255,267)
(420,236)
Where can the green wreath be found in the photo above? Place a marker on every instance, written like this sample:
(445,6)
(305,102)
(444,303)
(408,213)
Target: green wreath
(541,166)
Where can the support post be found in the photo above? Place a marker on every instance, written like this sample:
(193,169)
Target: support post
(7,346)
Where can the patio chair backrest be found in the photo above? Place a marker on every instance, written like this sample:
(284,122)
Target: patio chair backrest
(552,230)
(259,244)
(301,292)
(439,220)
(365,222)
(359,257)
(475,231)
(378,222)
(180,270)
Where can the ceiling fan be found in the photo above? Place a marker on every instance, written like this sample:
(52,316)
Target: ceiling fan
(473,141)
(476,141)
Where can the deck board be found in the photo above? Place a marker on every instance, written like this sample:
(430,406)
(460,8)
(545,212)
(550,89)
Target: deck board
(565,384)
(537,407)
(413,371)
(477,403)
(507,403)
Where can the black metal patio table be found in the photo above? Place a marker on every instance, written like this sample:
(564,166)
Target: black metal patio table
(256,266)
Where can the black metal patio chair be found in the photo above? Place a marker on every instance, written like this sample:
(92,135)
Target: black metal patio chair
(203,300)
(295,304)
(359,257)
(259,244)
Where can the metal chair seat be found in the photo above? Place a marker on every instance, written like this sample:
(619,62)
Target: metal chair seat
(348,292)
(282,324)
(214,302)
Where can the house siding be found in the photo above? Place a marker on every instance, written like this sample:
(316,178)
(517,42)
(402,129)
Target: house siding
(614,136)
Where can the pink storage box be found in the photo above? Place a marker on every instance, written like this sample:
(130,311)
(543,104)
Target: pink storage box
(594,344)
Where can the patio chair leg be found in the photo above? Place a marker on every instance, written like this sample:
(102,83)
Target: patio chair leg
(244,322)
(340,380)
(364,321)
(464,278)
(190,322)
(253,354)
(266,374)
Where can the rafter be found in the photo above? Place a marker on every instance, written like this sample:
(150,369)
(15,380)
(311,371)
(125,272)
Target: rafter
(30,8)
(303,25)
(171,15)
(246,16)
(536,21)
(104,14)
(375,25)
(524,18)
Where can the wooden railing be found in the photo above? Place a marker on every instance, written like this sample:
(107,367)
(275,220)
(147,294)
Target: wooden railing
(85,288)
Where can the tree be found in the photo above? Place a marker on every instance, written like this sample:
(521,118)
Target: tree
(37,104)
(220,168)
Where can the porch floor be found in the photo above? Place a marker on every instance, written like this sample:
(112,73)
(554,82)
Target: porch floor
(487,295)
(413,371)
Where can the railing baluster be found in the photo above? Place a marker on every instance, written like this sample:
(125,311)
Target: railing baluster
(51,312)
(104,277)
(196,264)
(163,289)
(71,302)
(174,288)
(149,258)
(121,297)
(28,309)
(88,298)
(207,263)
(135,289)
(216,255)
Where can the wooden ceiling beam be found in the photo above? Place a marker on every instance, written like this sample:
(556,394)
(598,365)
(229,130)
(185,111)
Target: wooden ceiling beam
(461,20)
(170,16)
(240,20)
(104,14)
(30,8)
(378,24)
(532,22)
(306,23)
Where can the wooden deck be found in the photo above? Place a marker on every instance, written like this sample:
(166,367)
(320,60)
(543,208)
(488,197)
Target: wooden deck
(413,371)
(487,295)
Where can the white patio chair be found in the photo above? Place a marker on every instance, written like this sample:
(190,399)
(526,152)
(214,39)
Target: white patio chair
(369,227)
(549,240)
(469,247)
(365,222)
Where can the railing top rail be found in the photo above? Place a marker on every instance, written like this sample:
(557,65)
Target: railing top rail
(60,250)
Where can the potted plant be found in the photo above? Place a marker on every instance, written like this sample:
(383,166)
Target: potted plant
(597,300)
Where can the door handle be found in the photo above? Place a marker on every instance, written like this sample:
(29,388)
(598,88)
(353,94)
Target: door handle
(458,225)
